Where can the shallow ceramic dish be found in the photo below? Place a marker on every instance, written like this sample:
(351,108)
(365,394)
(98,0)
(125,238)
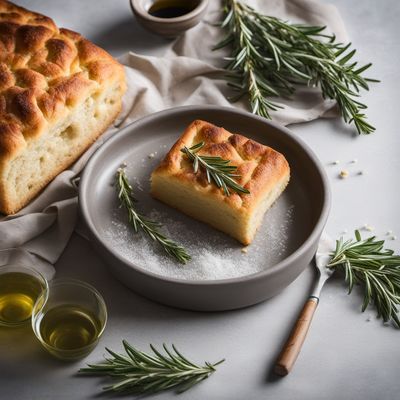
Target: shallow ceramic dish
(168,27)
(283,247)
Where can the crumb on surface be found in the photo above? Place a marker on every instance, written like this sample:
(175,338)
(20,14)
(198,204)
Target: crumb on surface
(344,174)
(151,155)
(244,250)
(367,227)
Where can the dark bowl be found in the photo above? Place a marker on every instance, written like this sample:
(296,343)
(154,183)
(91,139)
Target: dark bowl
(168,27)
(308,188)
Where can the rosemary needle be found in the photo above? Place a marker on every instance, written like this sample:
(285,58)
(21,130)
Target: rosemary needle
(217,169)
(137,372)
(269,57)
(138,221)
(366,262)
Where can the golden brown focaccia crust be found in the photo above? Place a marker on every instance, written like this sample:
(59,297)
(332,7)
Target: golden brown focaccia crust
(55,86)
(263,171)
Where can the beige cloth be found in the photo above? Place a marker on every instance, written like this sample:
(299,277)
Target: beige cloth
(189,73)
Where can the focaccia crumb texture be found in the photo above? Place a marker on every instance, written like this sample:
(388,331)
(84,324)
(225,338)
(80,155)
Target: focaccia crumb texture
(58,93)
(263,171)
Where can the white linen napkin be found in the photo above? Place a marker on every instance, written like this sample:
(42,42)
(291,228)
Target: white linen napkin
(189,73)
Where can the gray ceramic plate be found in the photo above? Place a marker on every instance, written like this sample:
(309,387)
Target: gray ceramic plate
(221,276)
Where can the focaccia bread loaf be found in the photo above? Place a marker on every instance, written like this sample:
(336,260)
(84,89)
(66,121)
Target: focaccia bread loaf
(263,171)
(58,93)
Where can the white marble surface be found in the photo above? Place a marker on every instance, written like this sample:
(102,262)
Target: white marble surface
(347,355)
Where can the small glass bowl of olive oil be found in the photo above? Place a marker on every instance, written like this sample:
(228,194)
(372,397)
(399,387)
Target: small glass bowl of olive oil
(20,287)
(69,318)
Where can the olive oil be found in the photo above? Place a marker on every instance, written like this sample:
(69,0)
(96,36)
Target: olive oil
(18,294)
(69,328)
(172,8)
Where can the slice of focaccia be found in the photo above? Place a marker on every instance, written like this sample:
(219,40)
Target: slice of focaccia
(263,172)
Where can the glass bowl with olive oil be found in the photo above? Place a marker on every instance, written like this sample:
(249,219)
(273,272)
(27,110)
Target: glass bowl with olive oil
(169,18)
(69,318)
(20,287)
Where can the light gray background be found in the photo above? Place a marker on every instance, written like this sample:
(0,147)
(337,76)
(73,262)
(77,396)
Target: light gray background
(347,355)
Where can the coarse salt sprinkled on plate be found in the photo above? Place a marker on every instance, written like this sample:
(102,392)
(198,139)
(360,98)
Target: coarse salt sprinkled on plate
(214,256)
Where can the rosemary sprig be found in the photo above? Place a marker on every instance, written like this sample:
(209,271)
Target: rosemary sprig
(366,262)
(269,56)
(217,169)
(141,373)
(138,221)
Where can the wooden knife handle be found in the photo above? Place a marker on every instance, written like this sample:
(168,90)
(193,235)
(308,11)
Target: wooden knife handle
(292,347)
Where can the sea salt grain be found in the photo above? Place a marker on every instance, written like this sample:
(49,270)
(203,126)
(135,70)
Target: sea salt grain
(214,255)
(137,184)
(367,227)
